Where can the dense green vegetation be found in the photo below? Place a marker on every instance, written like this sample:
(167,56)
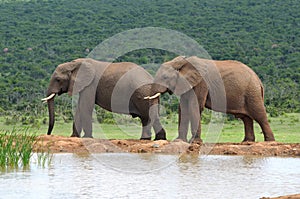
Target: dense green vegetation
(38,35)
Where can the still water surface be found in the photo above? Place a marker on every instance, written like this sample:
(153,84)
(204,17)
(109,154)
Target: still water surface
(154,176)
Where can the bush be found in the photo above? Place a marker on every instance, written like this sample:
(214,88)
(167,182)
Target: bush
(274,112)
(104,116)
(11,120)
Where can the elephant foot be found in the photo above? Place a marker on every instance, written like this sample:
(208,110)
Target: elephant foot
(249,140)
(148,138)
(75,135)
(269,139)
(87,136)
(160,135)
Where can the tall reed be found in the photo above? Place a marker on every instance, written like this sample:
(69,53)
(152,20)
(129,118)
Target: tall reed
(16,149)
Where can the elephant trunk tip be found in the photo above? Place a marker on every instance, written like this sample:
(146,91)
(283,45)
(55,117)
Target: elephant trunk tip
(49,132)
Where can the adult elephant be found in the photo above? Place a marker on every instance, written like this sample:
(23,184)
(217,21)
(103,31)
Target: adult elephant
(224,86)
(116,87)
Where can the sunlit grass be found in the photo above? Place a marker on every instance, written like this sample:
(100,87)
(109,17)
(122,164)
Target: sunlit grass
(286,129)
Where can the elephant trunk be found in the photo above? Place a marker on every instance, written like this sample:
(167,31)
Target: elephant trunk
(50,101)
(51,115)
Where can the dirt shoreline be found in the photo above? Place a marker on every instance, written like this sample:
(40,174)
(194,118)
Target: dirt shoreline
(294,196)
(60,144)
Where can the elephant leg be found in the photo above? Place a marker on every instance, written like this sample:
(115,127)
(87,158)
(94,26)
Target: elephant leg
(195,117)
(87,121)
(265,126)
(197,99)
(83,120)
(259,114)
(248,126)
(76,130)
(146,130)
(160,133)
(183,122)
(86,105)
(77,127)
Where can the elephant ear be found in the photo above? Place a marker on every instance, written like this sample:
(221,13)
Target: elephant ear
(188,78)
(177,62)
(82,74)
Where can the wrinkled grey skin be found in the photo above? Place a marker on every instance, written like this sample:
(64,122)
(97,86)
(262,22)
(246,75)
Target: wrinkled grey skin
(116,87)
(223,86)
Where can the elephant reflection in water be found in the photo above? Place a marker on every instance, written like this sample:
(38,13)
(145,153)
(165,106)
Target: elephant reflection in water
(223,86)
(117,87)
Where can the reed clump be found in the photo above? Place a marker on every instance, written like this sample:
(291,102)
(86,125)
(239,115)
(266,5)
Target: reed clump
(16,149)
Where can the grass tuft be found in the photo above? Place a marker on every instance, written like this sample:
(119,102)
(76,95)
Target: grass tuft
(16,149)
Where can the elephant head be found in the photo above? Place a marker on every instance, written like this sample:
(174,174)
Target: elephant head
(177,76)
(71,78)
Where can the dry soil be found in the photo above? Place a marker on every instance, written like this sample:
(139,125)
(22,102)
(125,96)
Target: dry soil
(60,144)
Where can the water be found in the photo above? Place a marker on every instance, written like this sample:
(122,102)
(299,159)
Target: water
(154,176)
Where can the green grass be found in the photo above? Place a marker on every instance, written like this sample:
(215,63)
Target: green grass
(286,129)
(16,149)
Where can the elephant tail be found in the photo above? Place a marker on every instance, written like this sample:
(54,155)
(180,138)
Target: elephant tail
(262,91)
(261,86)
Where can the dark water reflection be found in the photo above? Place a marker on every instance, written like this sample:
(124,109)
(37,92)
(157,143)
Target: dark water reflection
(154,176)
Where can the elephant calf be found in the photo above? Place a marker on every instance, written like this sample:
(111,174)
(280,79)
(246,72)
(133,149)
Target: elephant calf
(224,86)
(117,87)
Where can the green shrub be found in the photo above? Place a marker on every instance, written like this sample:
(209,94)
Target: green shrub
(11,120)
(274,112)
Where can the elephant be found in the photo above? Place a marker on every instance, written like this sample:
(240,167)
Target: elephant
(224,86)
(116,87)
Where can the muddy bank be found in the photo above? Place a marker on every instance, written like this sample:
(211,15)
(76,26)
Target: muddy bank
(59,144)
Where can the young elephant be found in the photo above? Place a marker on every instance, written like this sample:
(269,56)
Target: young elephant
(117,87)
(223,86)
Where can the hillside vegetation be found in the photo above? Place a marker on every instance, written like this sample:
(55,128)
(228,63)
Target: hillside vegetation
(36,36)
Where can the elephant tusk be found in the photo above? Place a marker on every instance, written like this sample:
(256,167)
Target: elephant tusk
(48,98)
(152,97)
(155,96)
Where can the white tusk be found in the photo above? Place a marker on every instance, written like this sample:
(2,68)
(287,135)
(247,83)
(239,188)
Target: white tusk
(48,98)
(147,97)
(154,96)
